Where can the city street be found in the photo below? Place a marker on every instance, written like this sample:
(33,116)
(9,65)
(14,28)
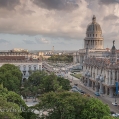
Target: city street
(91,93)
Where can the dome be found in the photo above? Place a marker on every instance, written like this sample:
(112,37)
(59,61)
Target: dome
(94,37)
(94,26)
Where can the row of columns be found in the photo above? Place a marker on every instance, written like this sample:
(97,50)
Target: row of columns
(98,87)
(110,75)
(94,43)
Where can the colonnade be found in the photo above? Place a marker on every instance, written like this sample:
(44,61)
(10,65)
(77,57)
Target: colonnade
(98,44)
(102,79)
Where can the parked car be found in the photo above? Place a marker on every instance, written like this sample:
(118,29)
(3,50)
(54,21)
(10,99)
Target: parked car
(115,115)
(97,94)
(78,89)
(76,84)
(115,103)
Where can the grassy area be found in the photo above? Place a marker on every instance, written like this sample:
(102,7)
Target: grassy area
(77,75)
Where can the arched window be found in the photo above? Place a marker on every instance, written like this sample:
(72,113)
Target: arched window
(96,35)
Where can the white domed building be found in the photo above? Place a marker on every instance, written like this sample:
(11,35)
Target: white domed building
(93,37)
(100,66)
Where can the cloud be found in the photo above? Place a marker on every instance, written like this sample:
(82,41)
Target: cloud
(26,41)
(41,41)
(111,17)
(107,2)
(57,4)
(4,41)
(56,19)
(9,4)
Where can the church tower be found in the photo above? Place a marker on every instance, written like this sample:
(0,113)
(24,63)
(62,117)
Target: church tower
(93,37)
(113,55)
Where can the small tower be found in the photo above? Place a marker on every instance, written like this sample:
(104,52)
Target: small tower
(113,56)
(53,49)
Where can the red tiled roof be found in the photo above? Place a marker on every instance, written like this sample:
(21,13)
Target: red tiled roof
(12,58)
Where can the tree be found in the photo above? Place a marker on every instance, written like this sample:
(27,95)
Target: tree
(68,105)
(49,83)
(11,77)
(11,96)
(9,110)
(64,83)
(95,109)
(35,78)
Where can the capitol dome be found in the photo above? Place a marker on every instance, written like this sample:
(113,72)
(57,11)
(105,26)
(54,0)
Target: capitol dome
(94,26)
(94,38)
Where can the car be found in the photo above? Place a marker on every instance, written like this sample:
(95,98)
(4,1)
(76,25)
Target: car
(115,103)
(76,84)
(115,115)
(97,94)
(74,90)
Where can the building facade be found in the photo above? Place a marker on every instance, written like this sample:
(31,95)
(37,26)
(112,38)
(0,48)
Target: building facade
(100,66)
(24,60)
(102,73)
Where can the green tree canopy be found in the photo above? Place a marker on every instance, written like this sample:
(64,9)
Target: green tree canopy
(68,105)
(40,82)
(66,58)
(11,77)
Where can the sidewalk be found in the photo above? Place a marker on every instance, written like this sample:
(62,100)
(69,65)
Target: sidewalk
(106,97)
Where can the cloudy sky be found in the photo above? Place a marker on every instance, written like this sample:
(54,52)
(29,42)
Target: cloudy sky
(41,24)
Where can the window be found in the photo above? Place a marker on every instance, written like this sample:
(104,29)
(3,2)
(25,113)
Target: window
(90,35)
(29,67)
(93,35)
(24,67)
(34,68)
(96,35)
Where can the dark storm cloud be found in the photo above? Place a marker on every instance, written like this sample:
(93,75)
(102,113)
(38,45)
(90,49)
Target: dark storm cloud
(57,4)
(9,4)
(111,17)
(106,2)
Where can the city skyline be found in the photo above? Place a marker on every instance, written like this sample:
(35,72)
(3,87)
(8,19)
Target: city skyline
(40,24)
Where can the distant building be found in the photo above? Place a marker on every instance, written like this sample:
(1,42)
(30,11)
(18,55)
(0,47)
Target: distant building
(26,61)
(19,50)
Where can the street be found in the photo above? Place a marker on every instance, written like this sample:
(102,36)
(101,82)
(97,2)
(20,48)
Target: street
(91,93)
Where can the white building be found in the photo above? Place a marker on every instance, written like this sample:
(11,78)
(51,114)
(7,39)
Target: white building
(100,66)
(23,60)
